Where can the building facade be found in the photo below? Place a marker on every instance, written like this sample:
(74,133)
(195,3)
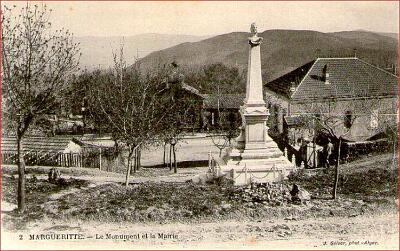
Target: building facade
(352,98)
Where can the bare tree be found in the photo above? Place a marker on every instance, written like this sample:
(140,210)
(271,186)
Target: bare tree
(227,127)
(172,138)
(327,118)
(382,118)
(137,108)
(226,130)
(334,118)
(36,65)
(175,124)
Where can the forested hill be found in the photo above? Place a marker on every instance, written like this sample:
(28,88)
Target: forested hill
(281,51)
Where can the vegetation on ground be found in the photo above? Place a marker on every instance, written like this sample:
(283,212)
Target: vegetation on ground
(187,202)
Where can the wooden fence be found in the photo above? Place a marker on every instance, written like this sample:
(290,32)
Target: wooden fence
(32,158)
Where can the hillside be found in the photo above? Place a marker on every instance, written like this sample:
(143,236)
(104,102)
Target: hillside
(97,51)
(388,34)
(281,51)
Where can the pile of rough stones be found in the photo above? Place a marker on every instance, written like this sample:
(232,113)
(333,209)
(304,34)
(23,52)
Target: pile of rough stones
(270,194)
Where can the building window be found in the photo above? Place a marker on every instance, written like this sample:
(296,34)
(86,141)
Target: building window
(348,119)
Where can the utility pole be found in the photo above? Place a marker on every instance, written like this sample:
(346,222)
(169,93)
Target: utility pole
(314,146)
(219,104)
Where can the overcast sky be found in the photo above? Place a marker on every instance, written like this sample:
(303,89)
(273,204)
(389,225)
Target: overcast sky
(213,18)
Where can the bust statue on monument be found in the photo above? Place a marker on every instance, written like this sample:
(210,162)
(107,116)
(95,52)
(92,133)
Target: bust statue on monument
(254,40)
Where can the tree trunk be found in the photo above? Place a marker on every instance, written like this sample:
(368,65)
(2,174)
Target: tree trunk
(394,154)
(164,164)
(128,171)
(175,164)
(135,162)
(314,152)
(21,196)
(335,185)
(139,153)
(137,159)
(170,157)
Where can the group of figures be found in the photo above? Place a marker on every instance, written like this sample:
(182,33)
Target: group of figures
(324,154)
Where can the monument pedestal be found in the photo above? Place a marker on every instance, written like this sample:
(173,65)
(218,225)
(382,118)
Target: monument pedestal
(256,157)
(257,165)
(257,170)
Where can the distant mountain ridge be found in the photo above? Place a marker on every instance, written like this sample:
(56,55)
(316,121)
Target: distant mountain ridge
(389,34)
(281,51)
(97,51)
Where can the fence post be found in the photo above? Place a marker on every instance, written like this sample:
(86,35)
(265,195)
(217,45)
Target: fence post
(209,160)
(100,159)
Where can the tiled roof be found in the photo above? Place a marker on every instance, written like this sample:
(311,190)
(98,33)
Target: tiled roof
(226,101)
(94,143)
(283,84)
(40,144)
(52,144)
(348,78)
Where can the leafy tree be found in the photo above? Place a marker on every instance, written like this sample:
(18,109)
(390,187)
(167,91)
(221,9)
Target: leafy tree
(210,77)
(36,64)
(76,93)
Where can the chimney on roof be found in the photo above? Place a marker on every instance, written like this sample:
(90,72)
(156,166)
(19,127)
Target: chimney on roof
(325,74)
(327,78)
(292,87)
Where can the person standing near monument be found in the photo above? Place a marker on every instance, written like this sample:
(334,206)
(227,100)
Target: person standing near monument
(327,153)
(303,151)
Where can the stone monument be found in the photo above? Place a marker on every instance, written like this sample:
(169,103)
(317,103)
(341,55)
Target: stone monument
(256,157)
